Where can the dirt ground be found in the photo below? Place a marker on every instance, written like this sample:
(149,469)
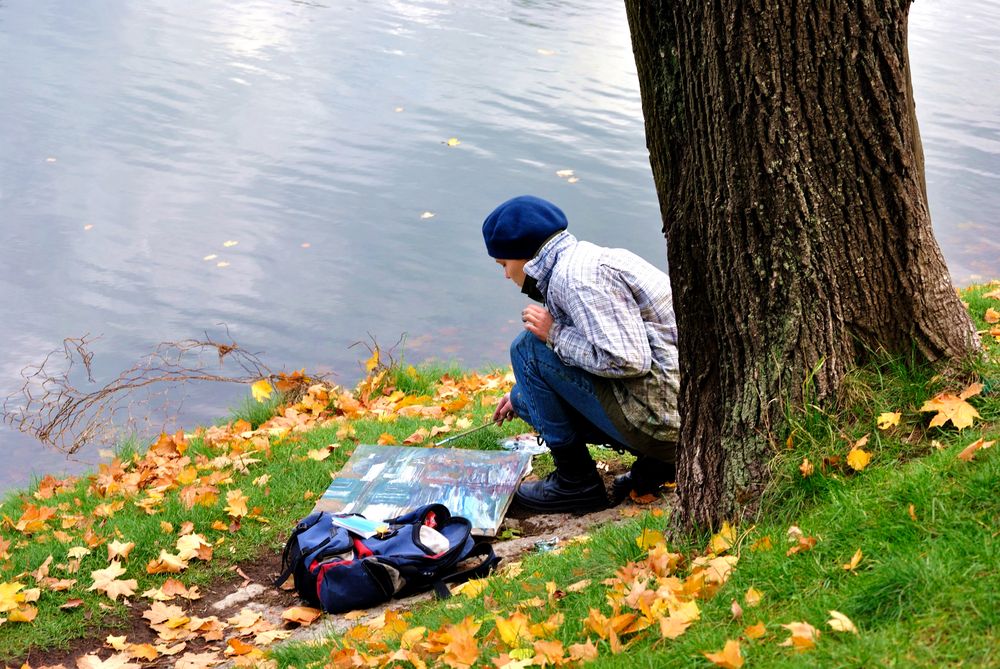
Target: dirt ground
(251,586)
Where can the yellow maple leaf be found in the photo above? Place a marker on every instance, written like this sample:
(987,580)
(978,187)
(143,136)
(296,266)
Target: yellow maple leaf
(261,390)
(453,141)
(969,452)
(24,614)
(858,459)
(462,649)
(513,629)
(855,561)
(11,596)
(386,439)
(753,596)
(372,362)
(953,408)
(649,538)
(192,546)
(803,636)
(723,539)
(888,419)
(729,657)
(236,503)
(991,316)
(838,622)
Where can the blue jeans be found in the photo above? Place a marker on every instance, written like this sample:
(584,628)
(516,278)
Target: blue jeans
(558,400)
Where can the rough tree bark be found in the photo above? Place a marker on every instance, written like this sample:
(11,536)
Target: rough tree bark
(789,170)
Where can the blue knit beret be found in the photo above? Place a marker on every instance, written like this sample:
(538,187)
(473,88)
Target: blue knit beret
(518,227)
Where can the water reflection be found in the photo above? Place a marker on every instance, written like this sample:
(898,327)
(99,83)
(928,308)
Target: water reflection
(314,136)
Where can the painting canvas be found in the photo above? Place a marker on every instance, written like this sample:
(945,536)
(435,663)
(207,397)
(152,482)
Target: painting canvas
(381,482)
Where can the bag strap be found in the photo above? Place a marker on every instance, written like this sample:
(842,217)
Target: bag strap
(481,570)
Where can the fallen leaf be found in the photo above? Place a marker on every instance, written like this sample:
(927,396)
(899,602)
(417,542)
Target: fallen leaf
(236,503)
(888,419)
(302,615)
(106,580)
(952,408)
(723,539)
(855,561)
(992,316)
(729,657)
(753,596)
(261,390)
(117,661)
(969,452)
(838,622)
(427,214)
(229,243)
(806,468)
(755,631)
(736,610)
(913,512)
(453,141)
(649,538)
(120,549)
(858,459)
(803,636)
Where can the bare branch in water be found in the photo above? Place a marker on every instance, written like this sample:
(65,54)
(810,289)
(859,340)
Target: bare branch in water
(49,407)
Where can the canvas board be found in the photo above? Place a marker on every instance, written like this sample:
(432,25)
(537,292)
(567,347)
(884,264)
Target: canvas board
(381,482)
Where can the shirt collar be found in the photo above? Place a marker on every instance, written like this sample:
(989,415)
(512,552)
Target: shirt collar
(540,267)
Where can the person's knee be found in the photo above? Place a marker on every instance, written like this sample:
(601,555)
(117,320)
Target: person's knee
(522,346)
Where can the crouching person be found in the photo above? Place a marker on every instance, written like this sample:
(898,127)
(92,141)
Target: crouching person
(597,361)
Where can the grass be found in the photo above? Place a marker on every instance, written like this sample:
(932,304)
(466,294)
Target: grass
(925,594)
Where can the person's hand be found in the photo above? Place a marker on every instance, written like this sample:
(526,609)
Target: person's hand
(505,410)
(537,320)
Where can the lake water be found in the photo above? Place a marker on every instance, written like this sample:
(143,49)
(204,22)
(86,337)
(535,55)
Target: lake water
(137,139)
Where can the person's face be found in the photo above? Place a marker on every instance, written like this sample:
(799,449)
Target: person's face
(513,270)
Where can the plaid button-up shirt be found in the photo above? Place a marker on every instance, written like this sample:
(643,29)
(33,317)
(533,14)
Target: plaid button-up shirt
(613,317)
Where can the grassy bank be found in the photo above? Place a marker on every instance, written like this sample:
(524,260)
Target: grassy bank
(877,546)
(914,524)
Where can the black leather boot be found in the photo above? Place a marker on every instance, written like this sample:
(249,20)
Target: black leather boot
(645,477)
(575,486)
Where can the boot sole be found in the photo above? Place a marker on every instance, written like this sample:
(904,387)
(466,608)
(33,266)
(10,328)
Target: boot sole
(575,507)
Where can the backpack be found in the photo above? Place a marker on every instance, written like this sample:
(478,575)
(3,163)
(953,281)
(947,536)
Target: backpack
(338,570)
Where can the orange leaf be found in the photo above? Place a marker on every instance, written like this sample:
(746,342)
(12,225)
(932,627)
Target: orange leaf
(804,636)
(237,647)
(303,615)
(855,561)
(386,439)
(969,452)
(755,631)
(729,657)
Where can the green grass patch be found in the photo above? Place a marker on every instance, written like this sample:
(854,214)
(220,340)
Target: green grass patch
(926,592)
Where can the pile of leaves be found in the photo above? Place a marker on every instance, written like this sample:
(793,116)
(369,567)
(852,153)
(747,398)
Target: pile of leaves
(81,548)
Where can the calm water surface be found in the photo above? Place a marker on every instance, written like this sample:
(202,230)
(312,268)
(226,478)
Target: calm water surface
(139,138)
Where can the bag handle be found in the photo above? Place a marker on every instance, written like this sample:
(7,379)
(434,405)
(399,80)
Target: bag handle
(481,570)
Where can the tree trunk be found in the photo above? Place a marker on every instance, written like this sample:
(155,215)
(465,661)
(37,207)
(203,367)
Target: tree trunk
(788,164)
